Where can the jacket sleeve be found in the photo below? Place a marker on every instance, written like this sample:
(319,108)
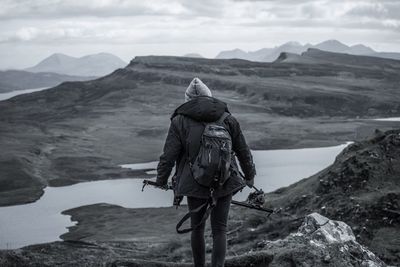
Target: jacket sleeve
(241,149)
(172,150)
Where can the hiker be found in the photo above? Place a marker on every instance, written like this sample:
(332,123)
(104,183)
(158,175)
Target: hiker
(181,148)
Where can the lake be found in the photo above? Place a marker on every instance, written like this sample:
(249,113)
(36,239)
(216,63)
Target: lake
(388,119)
(5,96)
(42,221)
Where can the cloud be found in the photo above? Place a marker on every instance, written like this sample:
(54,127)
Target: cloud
(48,9)
(123,21)
(383,14)
(18,9)
(174,25)
(313,11)
(26,34)
(369,10)
(32,34)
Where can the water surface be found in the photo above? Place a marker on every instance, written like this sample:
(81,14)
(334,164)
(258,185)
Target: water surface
(5,96)
(388,119)
(42,221)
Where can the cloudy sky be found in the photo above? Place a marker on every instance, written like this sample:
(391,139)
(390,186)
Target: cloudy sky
(31,30)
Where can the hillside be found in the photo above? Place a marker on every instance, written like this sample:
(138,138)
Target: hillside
(361,188)
(318,242)
(81,131)
(11,80)
(90,65)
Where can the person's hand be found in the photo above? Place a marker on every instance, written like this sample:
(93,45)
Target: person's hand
(250,182)
(162,185)
(177,200)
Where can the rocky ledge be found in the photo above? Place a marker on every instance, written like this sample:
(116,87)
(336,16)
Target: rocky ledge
(318,242)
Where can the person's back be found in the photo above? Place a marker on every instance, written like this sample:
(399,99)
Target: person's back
(181,148)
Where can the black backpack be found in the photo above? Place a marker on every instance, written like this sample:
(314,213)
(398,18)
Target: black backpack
(211,167)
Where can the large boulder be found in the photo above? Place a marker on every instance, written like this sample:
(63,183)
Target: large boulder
(320,242)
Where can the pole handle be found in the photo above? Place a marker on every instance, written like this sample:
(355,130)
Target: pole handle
(148,182)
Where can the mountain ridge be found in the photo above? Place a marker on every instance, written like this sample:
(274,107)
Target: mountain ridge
(195,55)
(89,65)
(317,56)
(271,54)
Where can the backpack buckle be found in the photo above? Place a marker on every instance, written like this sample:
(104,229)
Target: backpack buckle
(212,200)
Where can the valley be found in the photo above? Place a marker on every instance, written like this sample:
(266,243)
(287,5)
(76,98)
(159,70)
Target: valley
(83,131)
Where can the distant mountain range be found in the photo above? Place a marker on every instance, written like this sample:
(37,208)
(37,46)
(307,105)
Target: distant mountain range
(317,56)
(11,80)
(271,54)
(195,55)
(90,65)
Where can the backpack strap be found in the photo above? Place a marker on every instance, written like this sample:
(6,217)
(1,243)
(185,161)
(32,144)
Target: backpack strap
(209,205)
(223,117)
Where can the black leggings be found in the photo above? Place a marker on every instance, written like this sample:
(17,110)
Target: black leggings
(219,219)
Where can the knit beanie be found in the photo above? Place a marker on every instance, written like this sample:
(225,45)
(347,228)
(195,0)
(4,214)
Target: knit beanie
(196,88)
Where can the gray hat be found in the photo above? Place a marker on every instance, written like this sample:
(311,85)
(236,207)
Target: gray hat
(196,88)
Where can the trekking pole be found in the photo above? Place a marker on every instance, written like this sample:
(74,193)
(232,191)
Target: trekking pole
(148,182)
(258,190)
(247,204)
(252,206)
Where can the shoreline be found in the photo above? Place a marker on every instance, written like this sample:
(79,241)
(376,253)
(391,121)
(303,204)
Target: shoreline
(276,169)
(91,147)
(32,194)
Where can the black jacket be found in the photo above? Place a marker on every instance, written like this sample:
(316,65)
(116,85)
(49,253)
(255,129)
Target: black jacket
(183,142)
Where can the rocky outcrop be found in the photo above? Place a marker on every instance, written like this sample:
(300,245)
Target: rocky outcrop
(320,242)
(361,188)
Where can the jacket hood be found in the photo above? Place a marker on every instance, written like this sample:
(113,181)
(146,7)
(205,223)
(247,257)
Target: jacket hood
(202,108)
